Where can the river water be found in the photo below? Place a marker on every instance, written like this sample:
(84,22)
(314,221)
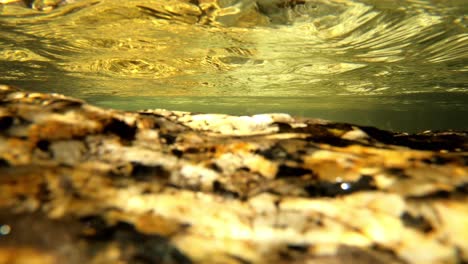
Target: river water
(394,64)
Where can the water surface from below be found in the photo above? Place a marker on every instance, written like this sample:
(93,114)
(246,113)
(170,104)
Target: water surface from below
(399,65)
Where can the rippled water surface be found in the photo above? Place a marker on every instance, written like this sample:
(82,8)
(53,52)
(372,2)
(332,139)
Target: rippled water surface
(394,64)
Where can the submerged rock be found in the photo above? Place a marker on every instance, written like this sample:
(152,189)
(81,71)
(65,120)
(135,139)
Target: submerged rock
(82,184)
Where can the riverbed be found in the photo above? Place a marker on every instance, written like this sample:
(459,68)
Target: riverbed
(398,65)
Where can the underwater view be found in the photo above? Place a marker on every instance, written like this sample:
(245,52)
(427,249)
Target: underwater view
(394,64)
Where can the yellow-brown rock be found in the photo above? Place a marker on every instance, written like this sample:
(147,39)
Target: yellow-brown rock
(81,184)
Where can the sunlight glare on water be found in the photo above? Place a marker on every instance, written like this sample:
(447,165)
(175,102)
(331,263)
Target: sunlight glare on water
(399,65)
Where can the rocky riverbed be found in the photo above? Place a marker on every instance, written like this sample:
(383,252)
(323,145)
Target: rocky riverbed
(82,184)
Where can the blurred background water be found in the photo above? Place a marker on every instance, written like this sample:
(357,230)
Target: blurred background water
(394,64)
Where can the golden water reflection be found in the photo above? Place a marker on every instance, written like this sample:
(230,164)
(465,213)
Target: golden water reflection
(358,58)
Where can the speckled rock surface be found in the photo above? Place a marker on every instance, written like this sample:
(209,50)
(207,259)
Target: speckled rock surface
(81,184)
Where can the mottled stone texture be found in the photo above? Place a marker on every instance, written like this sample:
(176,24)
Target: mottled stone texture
(81,184)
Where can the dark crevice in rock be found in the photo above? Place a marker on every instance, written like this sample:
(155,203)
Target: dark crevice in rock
(145,113)
(332,189)
(21,197)
(158,121)
(464,160)
(460,256)
(244,168)
(416,222)
(339,126)
(6,122)
(4,163)
(178,153)
(288,171)
(284,127)
(398,172)
(424,141)
(385,255)
(143,172)
(215,167)
(331,140)
(276,152)
(44,194)
(168,138)
(239,260)
(96,228)
(43,145)
(379,135)
(462,188)
(290,3)
(437,159)
(192,150)
(68,187)
(459,190)
(344,254)
(121,129)
(63,106)
(440,194)
(135,247)
(218,188)
(298,247)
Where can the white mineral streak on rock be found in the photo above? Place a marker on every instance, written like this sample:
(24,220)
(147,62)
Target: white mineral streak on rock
(232,125)
(230,162)
(287,136)
(16,95)
(148,139)
(236,125)
(229,125)
(195,175)
(355,134)
(298,125)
